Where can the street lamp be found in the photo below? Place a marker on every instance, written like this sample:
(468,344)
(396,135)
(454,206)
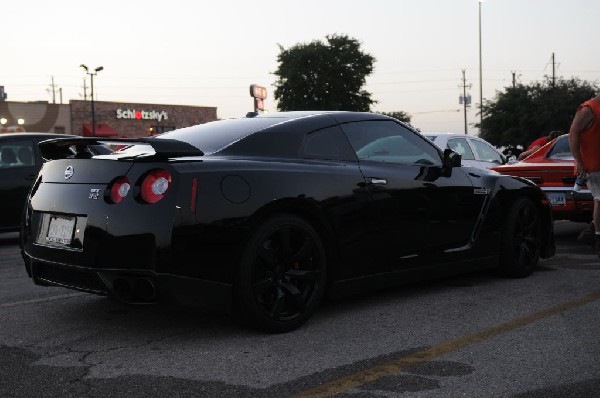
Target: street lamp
(480,75)
(92,74)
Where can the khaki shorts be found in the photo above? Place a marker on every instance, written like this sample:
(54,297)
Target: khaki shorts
(593,184)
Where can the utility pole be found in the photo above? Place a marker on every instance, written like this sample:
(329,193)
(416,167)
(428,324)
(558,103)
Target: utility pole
(53,90)
(553,71)
(554,66)
(514,79)
(464,99)
(480,74)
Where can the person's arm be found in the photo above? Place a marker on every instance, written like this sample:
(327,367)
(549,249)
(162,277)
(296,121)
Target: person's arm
(583,119)
(528,152)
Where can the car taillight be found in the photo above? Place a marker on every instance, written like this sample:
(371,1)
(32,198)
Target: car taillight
(155,185)
(119,189)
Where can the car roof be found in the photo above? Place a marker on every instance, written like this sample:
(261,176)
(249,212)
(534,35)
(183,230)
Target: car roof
(213,137)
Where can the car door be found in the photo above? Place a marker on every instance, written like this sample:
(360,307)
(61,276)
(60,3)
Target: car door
(419,207)
(487,155)
(19,166)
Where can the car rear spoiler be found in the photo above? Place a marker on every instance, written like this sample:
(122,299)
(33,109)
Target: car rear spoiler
(60,148)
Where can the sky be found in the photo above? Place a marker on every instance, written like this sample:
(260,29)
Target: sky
(205,53)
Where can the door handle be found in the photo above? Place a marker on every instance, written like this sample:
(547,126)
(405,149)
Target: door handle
(376,181)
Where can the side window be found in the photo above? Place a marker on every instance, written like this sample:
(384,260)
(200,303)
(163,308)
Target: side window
(389,142)
(461,146)
(486,152)
(17,154)
(321,145)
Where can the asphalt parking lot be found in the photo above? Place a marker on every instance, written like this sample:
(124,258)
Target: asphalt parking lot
(474,335)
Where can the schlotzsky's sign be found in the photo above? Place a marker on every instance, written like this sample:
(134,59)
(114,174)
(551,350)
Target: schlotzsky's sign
(141,115)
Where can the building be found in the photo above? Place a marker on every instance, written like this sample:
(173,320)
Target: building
(136,120)
(34,116)
(113,119)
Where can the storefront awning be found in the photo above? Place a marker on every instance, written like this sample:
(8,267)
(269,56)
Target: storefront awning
(102,130)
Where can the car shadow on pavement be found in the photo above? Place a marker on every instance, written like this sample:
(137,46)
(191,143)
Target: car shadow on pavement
(9,238)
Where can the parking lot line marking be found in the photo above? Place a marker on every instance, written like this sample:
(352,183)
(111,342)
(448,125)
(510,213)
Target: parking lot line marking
(358,379)
(40,300)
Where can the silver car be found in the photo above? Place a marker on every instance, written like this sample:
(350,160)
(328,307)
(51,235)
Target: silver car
(474,151)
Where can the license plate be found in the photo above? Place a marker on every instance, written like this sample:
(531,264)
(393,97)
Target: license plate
(557,199)
(60,230)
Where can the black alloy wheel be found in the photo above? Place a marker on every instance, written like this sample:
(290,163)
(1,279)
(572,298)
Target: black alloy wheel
(521,239)
(282,277)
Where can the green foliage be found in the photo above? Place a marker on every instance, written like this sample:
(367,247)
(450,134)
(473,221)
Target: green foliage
(400,115)
(323,76)
(521,114)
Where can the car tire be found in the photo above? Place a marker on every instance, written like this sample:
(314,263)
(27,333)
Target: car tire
(281,279)
(521,239)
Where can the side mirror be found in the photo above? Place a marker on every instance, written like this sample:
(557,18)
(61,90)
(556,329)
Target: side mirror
(451,159)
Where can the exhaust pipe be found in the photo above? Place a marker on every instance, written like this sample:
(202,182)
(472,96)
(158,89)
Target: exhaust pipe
(145,289)
(122,288)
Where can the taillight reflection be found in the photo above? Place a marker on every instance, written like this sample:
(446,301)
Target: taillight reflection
(155,185)
(119,189)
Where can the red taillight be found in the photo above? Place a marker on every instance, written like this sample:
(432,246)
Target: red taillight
(119,189)
(155,185)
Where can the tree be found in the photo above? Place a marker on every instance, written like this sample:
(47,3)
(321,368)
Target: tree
(323,76)
(523,113)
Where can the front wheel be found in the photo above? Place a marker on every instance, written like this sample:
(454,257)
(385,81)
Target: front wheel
(281,279)
(521,239)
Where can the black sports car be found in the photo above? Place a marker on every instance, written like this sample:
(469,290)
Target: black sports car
(264,215)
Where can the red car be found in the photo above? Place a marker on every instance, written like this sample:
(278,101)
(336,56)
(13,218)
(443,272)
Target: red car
(551,168)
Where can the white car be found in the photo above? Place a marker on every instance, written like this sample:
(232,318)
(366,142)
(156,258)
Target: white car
(474,151)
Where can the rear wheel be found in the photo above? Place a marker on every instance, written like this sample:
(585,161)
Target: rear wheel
(521,239)
(281,279)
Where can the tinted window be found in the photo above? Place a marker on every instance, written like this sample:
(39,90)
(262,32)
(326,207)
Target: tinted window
(486,152)
(387,141)
(561,149)
(461,146)
(321,144)
(17,154)
(212,136)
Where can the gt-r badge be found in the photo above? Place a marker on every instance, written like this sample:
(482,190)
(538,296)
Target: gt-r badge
(69,171)
(481,191)
(94,193)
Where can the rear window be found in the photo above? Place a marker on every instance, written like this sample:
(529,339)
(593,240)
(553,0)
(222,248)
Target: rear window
(213,136)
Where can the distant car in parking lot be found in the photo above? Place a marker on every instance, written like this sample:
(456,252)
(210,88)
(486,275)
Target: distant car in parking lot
(475,152)
(552,168)
(20,162)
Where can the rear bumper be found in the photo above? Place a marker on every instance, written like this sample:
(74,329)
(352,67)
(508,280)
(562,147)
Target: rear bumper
(133,286)
(570,205)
